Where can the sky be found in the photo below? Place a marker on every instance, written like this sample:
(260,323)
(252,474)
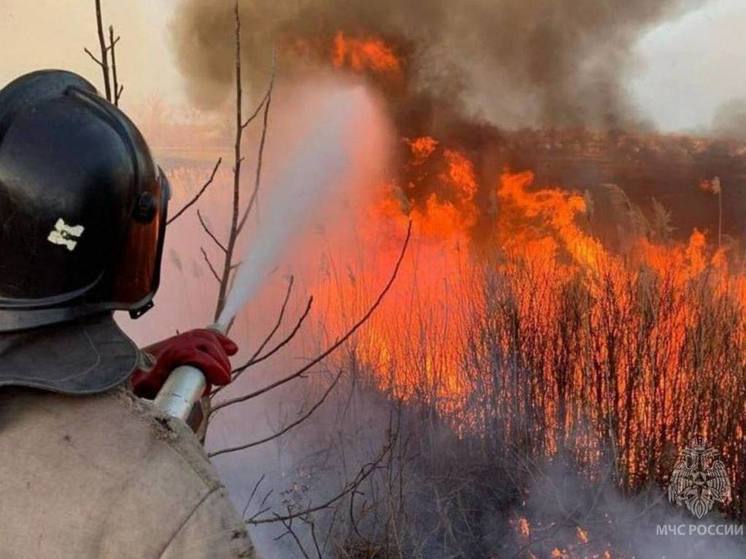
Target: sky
(691,66)
(52,33)
(687,68)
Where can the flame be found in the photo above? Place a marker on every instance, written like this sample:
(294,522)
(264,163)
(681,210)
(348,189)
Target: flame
(582,535)
(546,213)
(460,174)
(422,148)
(546,265)
(524,529)
(360,55)
(508,300)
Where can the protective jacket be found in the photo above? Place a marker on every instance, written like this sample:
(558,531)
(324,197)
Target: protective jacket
(103,475)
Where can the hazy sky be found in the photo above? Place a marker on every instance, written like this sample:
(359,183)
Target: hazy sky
(52,33)
(691,66)
(687,67)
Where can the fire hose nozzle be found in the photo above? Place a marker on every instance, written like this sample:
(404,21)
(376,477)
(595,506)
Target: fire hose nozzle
(181,392)
(183,389)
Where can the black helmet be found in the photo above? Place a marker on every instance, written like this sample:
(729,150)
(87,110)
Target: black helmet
(82,205)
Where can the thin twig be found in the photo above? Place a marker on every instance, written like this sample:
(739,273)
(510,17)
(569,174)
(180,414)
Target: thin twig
(89,53)
(287,428)
(365,471)
(267,101)
(313,537)
(209,264)
(238,159)
(278,323)
(112,43)
(255,113)
(282,343)
(104,63)
(331,349)
(289,530)
(236,372)
(210,233)
(199,194)
(255,360)
(253,493)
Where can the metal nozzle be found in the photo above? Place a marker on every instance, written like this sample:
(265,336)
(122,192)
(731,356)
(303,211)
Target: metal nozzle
(183,390)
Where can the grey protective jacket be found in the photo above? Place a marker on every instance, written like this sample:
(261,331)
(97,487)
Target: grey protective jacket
(104,476)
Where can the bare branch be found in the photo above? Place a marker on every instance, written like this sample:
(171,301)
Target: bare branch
(233,233)
(331,349)
(267,101)
(253,493)
(89,53)
(112,43)
(254,359)
(267,339)
(256,111)
(287,428)
(365,471)
(280,318)
(209,264)
(104,64)
(199,194)
(280,345)
(289,530)
(209,233)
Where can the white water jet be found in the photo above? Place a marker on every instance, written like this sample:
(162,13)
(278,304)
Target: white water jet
(320,167)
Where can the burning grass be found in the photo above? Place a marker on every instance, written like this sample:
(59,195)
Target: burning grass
(528,342)
(546,351)
(547,343)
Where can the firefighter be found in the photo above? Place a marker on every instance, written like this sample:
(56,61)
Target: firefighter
(87,468)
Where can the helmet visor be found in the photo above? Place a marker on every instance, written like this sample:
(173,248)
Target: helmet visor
(137,273)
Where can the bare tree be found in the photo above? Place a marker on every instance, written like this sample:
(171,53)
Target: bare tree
(117,89)
(113,91)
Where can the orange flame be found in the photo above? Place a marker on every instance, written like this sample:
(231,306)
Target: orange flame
(560,308)
(422,148)
(365,54)
(461,174)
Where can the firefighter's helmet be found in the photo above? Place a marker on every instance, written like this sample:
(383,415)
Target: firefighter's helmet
(82,205)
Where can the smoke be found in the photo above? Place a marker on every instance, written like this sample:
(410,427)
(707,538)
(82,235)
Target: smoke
(730,120)
(516,62)
(583,519)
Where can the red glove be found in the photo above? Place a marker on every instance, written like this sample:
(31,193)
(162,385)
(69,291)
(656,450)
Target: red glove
(205,349)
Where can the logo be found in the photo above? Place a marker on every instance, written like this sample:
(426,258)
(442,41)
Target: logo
(65,235)
(699,479)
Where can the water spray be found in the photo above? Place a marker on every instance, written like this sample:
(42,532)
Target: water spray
(315,171)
